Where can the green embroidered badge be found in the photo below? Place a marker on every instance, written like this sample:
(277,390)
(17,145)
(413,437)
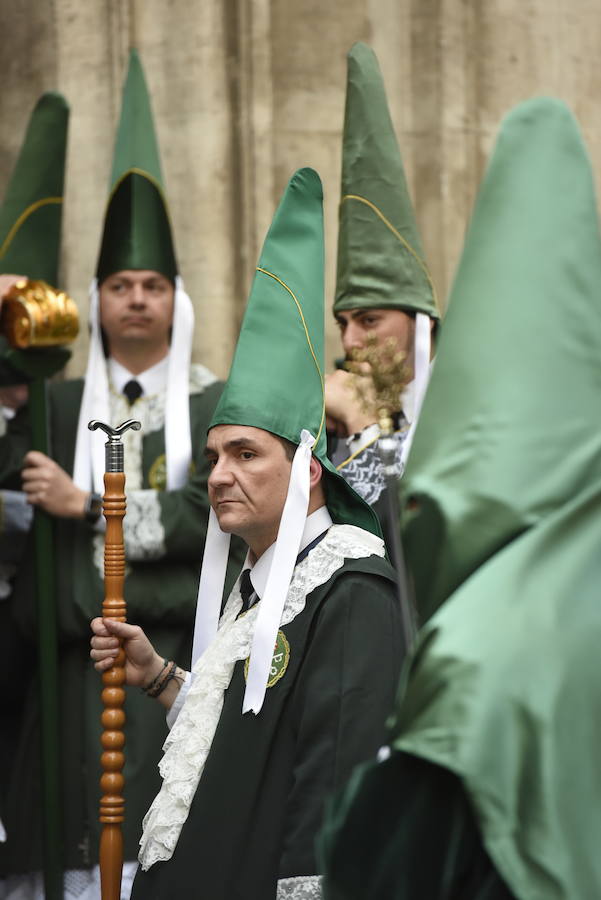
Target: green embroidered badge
(279,663)
(157,474)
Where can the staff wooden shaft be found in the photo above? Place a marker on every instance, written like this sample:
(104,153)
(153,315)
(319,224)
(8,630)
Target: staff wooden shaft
(43,533)
(112,782)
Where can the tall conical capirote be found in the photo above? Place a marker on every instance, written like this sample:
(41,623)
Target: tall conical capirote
(508,431)
(380,257)
(276,379)
(503,690)
(31,213)
(137,229)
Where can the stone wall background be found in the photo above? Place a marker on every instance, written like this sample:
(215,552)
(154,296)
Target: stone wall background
(246,91)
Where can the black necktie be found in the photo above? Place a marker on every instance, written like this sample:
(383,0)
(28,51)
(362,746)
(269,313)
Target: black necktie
(246,590)
(133,390)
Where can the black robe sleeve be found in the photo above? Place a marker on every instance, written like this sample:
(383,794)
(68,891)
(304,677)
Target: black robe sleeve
(343,695)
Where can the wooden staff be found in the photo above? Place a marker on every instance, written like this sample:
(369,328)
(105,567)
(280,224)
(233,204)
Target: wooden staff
(112,782)
(387,450)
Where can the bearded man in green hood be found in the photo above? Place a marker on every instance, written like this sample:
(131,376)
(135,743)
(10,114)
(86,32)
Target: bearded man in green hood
(384,291)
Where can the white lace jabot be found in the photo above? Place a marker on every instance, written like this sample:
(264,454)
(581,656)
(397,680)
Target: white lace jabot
(189,742)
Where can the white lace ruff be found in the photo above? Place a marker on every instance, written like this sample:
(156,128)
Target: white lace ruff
(143,530)
(189,742)
(303,887)
(79,884)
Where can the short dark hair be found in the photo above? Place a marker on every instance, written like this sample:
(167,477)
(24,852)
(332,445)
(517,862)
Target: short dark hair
(289,447)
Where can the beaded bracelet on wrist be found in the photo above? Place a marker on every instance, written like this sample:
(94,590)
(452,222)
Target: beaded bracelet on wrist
(153,683)
(156,691)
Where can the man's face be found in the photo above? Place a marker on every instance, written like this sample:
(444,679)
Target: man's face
(248,482)
(136,305)
(356,324)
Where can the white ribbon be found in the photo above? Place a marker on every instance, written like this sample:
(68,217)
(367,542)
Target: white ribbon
(421,376)
(210,587)
(286,550)
(89,465)
(178,442)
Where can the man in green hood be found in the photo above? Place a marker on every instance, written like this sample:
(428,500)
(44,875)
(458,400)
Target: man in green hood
(383,287)
(30,227)
(289,691)
(139,366)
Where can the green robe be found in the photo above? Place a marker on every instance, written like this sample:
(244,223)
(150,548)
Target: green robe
(160,590)
(259,802)
(403,829)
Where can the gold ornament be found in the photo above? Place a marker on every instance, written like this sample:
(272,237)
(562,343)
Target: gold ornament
(34,314)
(380,376)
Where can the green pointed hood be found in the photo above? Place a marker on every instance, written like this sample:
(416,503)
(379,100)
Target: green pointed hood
(276,379)
(380,258)
(137,230)
(31,213)
(509,428)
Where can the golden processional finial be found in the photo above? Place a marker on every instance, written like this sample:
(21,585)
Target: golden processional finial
(36,315)
(381,374)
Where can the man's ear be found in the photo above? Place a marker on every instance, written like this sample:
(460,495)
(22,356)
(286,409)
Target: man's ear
(315,472)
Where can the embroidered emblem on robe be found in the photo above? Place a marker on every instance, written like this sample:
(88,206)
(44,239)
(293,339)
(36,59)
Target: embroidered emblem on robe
(279,663)
(157,474)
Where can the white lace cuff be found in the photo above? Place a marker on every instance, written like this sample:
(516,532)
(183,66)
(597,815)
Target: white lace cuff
(16,512)
(143,530)
(179,701)
(303,887)
(200,378)
(364,439)
(365,471)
